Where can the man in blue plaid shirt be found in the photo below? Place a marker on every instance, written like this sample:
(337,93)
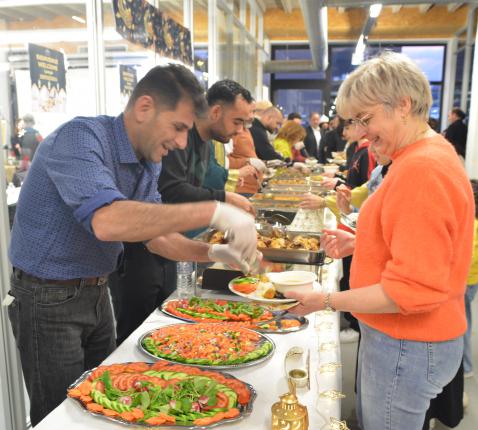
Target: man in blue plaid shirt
(92,186)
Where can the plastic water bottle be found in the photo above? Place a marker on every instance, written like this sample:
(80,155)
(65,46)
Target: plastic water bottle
(185,279)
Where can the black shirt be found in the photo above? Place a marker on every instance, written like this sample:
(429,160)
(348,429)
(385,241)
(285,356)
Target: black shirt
(310,142)
(183,173)
(331,142)
(456,134)
(264,150)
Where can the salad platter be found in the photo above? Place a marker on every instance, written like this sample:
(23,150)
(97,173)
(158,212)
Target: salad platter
(162,395)
(208,345)
(249,315)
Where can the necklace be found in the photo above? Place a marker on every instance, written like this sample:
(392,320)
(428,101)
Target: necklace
(422,133)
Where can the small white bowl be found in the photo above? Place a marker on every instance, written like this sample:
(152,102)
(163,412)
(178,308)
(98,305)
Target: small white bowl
(295,280)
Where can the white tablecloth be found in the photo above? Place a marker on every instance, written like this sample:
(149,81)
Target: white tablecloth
(267,378)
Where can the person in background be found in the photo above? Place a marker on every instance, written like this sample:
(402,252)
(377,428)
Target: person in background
(145,280)
(270,121)
(314,135)
(243,154)
(409,269)
(289,141)
(324,123)
(93,185)
(457,131)
(295,116)
(332,141)
(30,137)
(15,139)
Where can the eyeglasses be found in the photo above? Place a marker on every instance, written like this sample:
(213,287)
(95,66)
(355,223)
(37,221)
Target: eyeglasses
(362,122)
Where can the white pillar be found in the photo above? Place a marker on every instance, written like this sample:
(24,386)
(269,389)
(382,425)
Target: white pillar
(12,401)
(448,81)
(96,54)
(472,139)
(467,60)
(212,42)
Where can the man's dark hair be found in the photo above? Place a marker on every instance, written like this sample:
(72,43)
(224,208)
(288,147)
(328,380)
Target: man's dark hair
(313,113)
(225,92)
(294,115)
(167,85)
(459,113)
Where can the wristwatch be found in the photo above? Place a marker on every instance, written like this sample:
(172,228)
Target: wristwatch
(327,305)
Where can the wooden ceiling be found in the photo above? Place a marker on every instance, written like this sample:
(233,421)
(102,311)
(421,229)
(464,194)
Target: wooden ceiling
(283,20)
(408,22)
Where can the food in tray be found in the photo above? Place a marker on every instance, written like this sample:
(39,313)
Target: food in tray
(162,394)
(276,197)
(233,313)
(207,344)
(300,242)
(209,310)
(294,181)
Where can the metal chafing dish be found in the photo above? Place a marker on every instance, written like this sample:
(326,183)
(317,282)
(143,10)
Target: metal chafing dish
(291,256)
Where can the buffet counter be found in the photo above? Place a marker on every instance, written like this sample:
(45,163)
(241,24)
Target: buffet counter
(268,378)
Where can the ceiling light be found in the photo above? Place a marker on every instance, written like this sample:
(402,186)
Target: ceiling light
(78,19)
(375,10)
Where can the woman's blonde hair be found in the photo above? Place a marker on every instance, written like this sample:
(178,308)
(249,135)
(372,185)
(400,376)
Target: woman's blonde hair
(386,80)
(292,132)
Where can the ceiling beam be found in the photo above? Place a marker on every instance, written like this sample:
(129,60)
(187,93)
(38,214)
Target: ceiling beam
(452,7)
(286,5)
(424,8)
(363,3)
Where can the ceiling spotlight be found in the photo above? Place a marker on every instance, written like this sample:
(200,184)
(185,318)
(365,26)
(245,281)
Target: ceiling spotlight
(78,19)
(375,10)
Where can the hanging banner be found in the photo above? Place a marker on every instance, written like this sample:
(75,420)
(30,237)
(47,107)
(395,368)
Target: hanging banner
(128,80)
(141,23)
(134,21)
(48,76)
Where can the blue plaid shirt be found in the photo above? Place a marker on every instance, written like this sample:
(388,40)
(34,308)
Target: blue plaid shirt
(83,165)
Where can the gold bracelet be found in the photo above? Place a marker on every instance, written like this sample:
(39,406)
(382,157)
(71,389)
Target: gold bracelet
(327,304)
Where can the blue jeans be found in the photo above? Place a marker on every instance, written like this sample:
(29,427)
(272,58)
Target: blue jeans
(467,354)
(60,331)
(396,379)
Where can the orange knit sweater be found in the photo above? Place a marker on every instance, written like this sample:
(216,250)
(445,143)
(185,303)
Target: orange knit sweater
(414,237)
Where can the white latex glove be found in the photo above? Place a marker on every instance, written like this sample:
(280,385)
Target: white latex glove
(240,228)
(225,254)
(259,165)
(299,145)
(299,165)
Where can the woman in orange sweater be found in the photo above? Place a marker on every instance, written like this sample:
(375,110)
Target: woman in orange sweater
(412,250)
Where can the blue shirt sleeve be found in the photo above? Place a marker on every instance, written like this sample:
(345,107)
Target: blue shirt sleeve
(78,166)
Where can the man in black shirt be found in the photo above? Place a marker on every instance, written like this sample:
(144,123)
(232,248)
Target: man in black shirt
(146,280)
(269,120)
(331,142)
(314,135)
(457,131)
